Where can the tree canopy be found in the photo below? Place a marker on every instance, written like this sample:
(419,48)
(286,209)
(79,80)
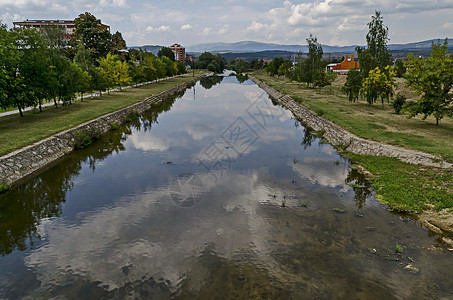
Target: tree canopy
(214,63)
(432,79)
(166,52)
(93,34)
(376,54)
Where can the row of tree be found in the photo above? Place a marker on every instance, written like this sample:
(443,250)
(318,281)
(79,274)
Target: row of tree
(311,70)
(431,78)
(40,66)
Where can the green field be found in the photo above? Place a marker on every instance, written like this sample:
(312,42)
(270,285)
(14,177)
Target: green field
(17,132)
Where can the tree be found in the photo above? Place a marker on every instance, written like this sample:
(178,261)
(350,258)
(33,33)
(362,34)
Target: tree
(214,63)
(106,69)
(285,68)
(166,52)
(93,34)
(118,42)
(239,66)
(169,66)
(379,84)
(10,80)
(400,69)
(376,54)
(180,67)
(273,66)
(114,71)
(35,67)
(256,64)
(314,63)
(353,84)
(122,71)
(432,78)
(55,37)
(81,80)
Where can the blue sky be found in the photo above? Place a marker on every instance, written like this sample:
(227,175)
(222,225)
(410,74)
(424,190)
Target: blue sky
(190,22)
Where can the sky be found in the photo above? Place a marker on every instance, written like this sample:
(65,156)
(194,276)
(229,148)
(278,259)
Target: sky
(191,22)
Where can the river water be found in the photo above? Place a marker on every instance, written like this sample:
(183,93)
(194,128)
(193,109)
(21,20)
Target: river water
(218,194)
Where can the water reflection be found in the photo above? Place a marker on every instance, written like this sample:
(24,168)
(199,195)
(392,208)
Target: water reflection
(208,82)
(21,210)
(117,231)
(362,188)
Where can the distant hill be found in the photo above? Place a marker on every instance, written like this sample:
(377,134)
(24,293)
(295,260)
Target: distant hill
(248,49)
(250,46)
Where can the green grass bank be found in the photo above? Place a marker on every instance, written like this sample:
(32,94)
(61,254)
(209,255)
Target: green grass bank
(17,132)
(402,186)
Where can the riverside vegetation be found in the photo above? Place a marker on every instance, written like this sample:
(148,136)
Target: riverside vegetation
(403,187)
(36,126)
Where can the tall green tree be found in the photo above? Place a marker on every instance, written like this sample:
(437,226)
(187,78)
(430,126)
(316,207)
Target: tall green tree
(114,71)
(169,66)
(432,79)
(9,58)
(273,66)
(376,54)
(93,34)
(35,67)
(118,43)
(315,65)
(353,85)
(166,52)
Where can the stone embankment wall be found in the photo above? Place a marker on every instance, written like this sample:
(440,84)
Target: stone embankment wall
(23,162)
(345,140)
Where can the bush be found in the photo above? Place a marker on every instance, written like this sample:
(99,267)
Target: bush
(398,103)
(114,126)
(84,138)
(3,188)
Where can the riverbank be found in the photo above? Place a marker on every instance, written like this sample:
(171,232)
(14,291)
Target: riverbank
(406,180)
(36,126)
(71,124)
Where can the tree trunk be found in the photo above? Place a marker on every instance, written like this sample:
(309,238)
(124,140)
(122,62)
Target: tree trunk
(81,96)
(437,121)
(20,111)
(40,106)
(55,101)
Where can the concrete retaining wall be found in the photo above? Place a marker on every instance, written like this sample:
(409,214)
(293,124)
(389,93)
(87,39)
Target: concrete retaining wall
(23,162)
(345,140)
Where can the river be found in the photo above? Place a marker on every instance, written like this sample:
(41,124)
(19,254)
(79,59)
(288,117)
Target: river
(217,194)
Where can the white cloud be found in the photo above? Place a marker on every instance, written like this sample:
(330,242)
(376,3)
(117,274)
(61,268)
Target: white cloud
(223,29)
(206,31)
(162,28)
(186,27)
(150,142)
(256,26)
(343,22)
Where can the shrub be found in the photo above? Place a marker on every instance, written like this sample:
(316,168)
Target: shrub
(84,138)
(114,126)
(398,103)
(3,188)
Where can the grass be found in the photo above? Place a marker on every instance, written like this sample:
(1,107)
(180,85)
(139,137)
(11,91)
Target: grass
(405,187)
(402,186)
(35,126)
(373,122)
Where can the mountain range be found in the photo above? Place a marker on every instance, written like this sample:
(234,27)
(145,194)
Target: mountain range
(250,46)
